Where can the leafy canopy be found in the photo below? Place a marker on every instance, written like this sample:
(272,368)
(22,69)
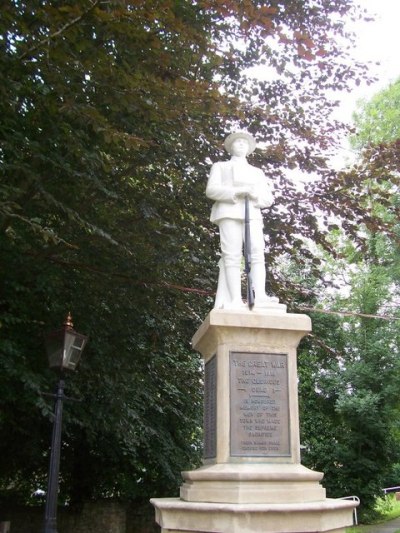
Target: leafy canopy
(378,120)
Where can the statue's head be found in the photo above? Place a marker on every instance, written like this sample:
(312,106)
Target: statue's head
(240,135)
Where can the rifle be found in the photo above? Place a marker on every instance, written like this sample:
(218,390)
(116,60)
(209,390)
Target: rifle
(247,254)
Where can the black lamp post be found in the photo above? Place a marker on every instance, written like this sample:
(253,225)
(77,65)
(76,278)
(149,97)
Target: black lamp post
(64,348)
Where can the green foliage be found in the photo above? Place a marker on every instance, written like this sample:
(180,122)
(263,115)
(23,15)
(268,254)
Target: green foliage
(349,384)
(378,120)
(349,368)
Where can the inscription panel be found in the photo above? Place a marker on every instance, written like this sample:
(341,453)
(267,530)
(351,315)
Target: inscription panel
(210,408)
(259,404)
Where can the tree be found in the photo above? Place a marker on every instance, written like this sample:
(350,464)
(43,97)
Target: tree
(353,391)
(349,371)
(378,120)
(348,367)
(111,112)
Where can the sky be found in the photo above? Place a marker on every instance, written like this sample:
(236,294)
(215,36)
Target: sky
(376,41)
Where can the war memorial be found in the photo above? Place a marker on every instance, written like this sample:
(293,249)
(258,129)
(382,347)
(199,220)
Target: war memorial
(252,479)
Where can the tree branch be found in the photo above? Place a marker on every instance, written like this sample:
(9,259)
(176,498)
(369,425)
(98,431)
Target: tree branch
(59,31)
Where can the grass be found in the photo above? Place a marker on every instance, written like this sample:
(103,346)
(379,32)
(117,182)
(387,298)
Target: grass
(388,507)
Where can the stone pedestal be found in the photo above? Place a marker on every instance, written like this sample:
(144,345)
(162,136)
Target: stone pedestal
(252,480)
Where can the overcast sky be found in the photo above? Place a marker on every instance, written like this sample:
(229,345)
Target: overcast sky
(377,41)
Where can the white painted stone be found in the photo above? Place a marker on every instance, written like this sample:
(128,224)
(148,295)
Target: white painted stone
(230,184)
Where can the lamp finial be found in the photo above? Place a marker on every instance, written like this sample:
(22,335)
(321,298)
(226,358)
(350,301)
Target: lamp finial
(68,322)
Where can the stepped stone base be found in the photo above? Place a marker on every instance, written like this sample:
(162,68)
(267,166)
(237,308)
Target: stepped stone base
(326,516)
(252,483)
(252,480)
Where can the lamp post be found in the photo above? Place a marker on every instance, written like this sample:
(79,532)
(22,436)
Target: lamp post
(64,348)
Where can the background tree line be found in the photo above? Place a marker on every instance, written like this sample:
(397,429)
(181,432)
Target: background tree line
(111,113)
(351,379)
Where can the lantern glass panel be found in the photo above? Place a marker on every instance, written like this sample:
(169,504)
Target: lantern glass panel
(54,348)
(73,347)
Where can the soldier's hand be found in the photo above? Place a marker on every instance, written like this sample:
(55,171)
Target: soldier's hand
(241,192)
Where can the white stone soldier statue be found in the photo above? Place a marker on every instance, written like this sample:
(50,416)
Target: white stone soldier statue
(228,185)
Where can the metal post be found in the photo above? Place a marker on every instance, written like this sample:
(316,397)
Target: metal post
(50,521)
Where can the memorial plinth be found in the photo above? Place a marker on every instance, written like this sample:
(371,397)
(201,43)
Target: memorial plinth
(252,479)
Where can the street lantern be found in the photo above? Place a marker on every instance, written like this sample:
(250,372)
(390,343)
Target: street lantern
(64,349)
(65,346)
